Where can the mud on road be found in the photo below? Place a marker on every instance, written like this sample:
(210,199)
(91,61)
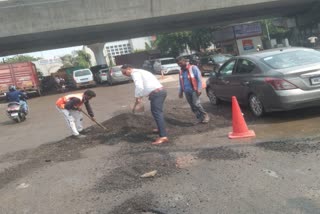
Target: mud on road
(135,130)
(136,156)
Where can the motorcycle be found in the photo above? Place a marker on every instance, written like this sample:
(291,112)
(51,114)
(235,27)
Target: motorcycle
(62,87)
(15,112)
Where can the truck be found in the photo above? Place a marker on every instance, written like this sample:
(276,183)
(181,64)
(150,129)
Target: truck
(23,76)
(76,77)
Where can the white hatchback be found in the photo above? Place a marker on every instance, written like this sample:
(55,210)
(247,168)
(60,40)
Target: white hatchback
(83,78)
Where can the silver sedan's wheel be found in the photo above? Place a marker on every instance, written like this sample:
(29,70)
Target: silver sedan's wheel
(256,105)
(214,100)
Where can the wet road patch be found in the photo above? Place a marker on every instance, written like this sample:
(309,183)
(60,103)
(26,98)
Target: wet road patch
(138,204)
(291,146)
(220,153)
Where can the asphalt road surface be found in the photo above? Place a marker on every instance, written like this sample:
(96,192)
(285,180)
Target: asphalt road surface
(199,171)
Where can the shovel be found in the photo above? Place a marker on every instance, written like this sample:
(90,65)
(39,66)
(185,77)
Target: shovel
(99,124)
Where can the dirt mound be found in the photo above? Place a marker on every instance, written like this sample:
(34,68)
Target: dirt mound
(138,128)
(138,155)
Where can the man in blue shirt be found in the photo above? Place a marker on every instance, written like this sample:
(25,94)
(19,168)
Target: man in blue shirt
(17,96)
(190,80)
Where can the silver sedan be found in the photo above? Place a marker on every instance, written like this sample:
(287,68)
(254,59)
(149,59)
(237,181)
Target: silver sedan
(273,80)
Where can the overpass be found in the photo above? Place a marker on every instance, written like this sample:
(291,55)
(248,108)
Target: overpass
(34,25)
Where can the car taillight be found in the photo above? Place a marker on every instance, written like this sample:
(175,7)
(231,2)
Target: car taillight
(103,74)
(280,84)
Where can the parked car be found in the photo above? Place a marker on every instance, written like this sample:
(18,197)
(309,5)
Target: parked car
(148,65)
(76,77)
(115,76)
(83,78)
(166,65)
(100,73)
(212,63)
(272,80)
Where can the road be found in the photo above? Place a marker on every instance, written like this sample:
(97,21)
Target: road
(199,171)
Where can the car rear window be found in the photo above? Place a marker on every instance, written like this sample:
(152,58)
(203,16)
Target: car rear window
(104,71)
(292,59)
(168,61)
(116,70)
(220,58)
(82,73)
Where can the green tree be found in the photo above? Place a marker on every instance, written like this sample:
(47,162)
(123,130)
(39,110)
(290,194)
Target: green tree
(138,51)
(274,31)
(151,46)
(83,59)
(67,60)
(147,46)
(201,38)
(78,58)
(172,44)
(21,58)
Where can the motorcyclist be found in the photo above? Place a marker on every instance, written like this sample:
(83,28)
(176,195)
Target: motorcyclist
(15,95)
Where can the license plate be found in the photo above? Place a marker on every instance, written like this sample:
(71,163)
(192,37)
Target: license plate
(315,80)
(14,114)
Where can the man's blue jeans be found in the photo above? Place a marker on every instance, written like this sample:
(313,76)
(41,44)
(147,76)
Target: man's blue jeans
(156,101)
(195,104)
(24,106)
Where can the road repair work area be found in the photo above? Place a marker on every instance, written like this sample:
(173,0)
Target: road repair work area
(200,170)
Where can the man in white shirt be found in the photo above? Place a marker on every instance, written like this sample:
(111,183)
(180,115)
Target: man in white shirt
(148,85)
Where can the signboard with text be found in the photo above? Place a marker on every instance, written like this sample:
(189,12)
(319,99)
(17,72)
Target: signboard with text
(247,30)
(247,44)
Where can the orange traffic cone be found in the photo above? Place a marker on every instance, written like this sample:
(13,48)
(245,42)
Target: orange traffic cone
(240,129)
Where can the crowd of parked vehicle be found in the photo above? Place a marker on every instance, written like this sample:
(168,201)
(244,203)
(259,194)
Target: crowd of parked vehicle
(207,63)
(266,81)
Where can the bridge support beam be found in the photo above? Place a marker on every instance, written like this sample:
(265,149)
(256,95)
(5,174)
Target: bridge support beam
(98,51)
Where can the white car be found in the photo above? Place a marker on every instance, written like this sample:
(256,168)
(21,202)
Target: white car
(166,66)
(83,78)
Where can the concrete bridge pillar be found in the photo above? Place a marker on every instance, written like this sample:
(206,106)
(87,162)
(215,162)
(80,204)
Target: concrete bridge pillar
(98,51)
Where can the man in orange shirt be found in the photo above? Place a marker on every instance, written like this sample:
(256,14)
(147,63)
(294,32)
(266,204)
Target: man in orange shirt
(70,106)
(191,86)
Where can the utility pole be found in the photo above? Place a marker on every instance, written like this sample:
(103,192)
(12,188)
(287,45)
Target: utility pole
(268,34)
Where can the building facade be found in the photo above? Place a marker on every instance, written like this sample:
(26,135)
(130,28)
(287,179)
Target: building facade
(123,47)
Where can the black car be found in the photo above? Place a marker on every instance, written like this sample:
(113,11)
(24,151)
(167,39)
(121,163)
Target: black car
(212,63)
(100,73)
(148,65)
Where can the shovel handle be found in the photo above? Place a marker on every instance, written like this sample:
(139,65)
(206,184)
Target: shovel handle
(99,124)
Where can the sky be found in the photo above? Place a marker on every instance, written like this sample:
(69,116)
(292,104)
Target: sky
(50,54)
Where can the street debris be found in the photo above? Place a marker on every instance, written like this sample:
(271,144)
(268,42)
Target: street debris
(23,186)
(271,173)
(149,174)
(184,161)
